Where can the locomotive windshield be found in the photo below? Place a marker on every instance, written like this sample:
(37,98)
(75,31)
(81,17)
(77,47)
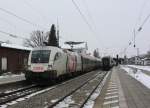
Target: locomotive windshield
(40,56)
(105,61)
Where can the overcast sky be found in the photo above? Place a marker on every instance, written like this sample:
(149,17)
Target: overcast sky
(112,22)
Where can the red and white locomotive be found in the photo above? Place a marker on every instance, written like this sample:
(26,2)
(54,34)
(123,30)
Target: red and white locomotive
(49,63)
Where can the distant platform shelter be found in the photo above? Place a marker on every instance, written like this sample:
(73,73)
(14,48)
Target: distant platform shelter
(13,58)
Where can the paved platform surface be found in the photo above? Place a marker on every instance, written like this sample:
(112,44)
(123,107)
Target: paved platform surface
(122,91)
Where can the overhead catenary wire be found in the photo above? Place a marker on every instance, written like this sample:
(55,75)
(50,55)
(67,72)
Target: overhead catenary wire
(21,18)
(85,20)
(82,15)
(90,16)
(37,11)
(139,18)
(8,22)
(145,20)
(88,12)
(142,9)
(136,31)
(141,13)
(12,35)
(140,28)
(11,24)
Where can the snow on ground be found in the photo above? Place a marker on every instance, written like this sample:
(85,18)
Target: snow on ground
(8,91)
(65,103)
(138,75)
(147,68)
(3,106)
(91,101)
(11,78)
(53,101)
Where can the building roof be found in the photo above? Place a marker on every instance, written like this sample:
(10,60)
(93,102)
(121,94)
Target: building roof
(14,46)
(146,58)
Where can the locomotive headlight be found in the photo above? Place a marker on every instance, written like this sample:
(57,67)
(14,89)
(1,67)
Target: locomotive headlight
(49,67)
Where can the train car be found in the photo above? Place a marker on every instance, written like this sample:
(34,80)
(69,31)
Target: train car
(50,63)
(90,63)
(42,63)
(107,63)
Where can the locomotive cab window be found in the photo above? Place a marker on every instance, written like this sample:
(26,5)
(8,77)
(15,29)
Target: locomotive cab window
(40,56)
(57,56)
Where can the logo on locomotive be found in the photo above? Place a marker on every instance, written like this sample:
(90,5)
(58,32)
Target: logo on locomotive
(71,63)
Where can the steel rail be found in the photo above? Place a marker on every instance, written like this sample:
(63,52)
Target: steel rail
(73,91)
(11,96)
(8,97)
(86,100)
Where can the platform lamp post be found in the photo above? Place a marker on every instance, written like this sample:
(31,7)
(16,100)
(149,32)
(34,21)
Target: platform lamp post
(135,34)
(125,52)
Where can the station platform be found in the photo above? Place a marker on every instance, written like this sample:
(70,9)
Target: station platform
(11,78)
(123,91)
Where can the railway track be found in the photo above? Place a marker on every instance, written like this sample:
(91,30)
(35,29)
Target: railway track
(16,94)
(98,78)
(7,99)
(13,86)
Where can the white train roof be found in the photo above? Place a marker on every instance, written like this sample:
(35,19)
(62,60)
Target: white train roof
(56,49)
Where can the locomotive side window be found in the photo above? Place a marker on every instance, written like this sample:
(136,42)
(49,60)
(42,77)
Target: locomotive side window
(40,56)
(57,56)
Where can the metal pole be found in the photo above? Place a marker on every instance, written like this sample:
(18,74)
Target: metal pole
(137,51)
(134,38)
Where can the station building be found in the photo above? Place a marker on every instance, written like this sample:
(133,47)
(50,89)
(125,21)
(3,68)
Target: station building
(13,58)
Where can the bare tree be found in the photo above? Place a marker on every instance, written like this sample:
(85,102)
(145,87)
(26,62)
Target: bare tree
(38,38)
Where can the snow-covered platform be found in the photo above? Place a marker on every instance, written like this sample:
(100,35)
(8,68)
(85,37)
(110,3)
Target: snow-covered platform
(147,68)
(144,69)
(11,78)
(123,91)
